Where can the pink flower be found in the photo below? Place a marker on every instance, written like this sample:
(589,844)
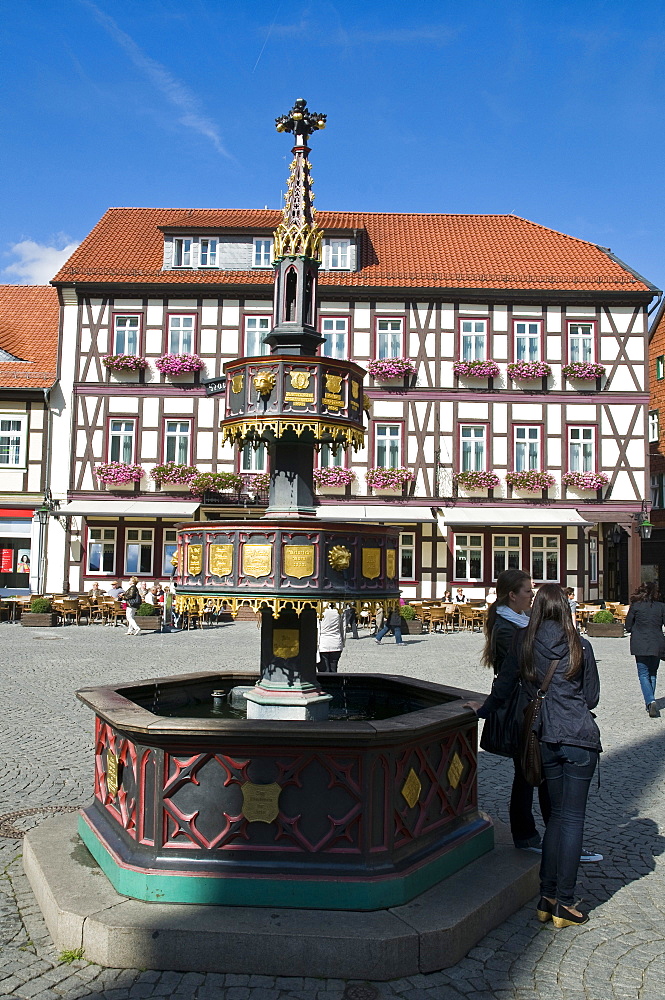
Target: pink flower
(179,364)
(583,370)
(476,369)
(585,480)
(124,362)
(333,476)
(530,480)
(388,368)
(392,479)
(119,472)
(214,482)
(524,370)
(476,480)
(172,473)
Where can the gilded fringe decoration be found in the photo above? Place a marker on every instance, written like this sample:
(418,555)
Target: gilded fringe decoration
(342,434)
(216,602)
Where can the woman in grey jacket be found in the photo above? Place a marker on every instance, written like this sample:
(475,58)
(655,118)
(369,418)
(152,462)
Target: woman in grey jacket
(645,621)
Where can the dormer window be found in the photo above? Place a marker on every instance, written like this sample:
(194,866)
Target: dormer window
(262,253)
(339,254)
(182,251)
(208,253)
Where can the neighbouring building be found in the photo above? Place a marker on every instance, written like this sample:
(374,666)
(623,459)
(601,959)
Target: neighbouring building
(29,318)
(653,551)
(509,384)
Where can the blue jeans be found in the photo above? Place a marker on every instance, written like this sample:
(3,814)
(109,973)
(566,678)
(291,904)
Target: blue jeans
(568,772)
(647,672)
(386,629)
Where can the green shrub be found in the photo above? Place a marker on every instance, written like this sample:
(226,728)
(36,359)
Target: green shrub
(146,610)
(408,613)
(603,617)
(40,606)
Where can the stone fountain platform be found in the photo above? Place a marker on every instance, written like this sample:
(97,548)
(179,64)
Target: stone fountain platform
(431,932)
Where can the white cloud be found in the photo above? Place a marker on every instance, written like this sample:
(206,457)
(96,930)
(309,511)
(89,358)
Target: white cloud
(35,263)
(171,88)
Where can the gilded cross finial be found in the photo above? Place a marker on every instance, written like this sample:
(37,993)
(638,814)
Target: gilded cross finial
(297,234)
(300,121)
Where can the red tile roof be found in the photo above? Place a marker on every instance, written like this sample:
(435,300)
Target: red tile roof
(396,251)
(29,317)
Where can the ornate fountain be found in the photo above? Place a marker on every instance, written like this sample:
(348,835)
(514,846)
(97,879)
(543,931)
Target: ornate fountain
(280,805)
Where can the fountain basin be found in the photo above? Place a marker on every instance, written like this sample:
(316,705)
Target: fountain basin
(339,815)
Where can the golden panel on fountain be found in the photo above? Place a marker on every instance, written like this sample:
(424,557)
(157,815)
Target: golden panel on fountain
(371,563)
(299,560)
(221,559)
(256,560)
(194,559)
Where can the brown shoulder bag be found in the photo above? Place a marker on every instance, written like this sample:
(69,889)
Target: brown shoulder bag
(530,757)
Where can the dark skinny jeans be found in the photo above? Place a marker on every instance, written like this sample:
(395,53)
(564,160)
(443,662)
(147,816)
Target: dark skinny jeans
(522,823)
(568,772)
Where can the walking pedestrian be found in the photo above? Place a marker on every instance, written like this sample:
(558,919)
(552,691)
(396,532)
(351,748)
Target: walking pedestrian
(330,639)
(569,742)
(394,625)
(644,621)
(134,601)
(350,621)
(379,618)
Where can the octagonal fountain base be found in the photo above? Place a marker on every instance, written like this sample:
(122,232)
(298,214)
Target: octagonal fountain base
(362,812)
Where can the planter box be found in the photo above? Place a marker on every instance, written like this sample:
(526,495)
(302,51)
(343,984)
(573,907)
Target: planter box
(412,626)
(387,491)
(337,491)
(123,376)
(605,630)
(148,623)
(119,487)
(173,488)
(31,620)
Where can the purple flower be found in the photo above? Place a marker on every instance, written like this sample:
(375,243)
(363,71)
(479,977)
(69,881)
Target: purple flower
(476,480)
(387,368)
(391,479)
(530,480)
(119,472)
(476,369)
(256,481)
(583,370)
(124,362)
(172,473)
(333,476)
(524,370)
(585,480)
(179,364)
(214,482)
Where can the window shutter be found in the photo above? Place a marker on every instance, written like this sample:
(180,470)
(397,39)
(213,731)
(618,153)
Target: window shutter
(196,252)
(326,255)
(168,253)
(352,257)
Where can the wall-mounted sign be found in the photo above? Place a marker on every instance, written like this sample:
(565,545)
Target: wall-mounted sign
(221,560)
(391,563)
(194,559)
(213,386)
(371,563)
(6,560)
(299,560)
(260,803)
(256,560)
(285,642)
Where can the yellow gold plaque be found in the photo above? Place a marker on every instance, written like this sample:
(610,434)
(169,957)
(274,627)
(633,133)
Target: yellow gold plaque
(355,389)
(221,560)
(333,383)
(112,768)
(236,383)
(391,563)
(285,642)
(300,380)
(260,803)
(194,559)
(367,403)
(371,563)
(412,788)
(455,770)
(299,560)
(256,560)
(264,382)
(339,557)
(299,398)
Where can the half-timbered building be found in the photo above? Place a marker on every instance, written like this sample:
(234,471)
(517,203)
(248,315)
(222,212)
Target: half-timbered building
(29,317)
(520,421)
(653,551)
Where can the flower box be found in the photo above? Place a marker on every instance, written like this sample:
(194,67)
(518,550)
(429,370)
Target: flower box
(605,630)
(331,490)
(31,620)
(476,369)
(149,623)
(388,369)
(380,479)
(530,480)
(179,364)
(476,480)
(333,476)
(118,487)
(587,371)
(171,476)
(584,480)
(528,371)
(119,474)
(215,482)
(124,363)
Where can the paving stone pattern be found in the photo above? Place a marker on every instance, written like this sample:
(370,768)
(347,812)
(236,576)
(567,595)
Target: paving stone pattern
(46,762)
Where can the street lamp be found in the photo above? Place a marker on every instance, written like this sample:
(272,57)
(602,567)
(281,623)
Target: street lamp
(643,527)
(49,507)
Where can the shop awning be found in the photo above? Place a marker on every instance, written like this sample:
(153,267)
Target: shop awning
(384,513)
(532,517)
(131,508)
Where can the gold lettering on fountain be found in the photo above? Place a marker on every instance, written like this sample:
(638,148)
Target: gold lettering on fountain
(194,559)
(221,560)
(299,560)
(256,560)
(299,398)
(260,803)
(285,643)
(391,563)
(112,772)
(371,563)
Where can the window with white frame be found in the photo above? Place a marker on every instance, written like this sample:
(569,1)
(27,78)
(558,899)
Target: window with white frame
(138,551)
(256,328)
(13,441)
(253,459)
(389,338)
(121,441)
(472,448)
(389,446)
(336,255)
(169,549)
(527,340)
(474,339)
(660,366)
(177,435)
(182,251)
(331,455)
(208,253)
(657,493)
(580,342)
(506,553)
(407,556)
(581,449)
(101,550)
(654,429)
(593,559)
(544,558)
(181,334)
(126,334)
(335,331)
(527,448)
(468,557)
(262,255)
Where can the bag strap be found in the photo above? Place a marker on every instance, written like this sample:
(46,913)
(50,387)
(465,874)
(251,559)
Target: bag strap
(542,690)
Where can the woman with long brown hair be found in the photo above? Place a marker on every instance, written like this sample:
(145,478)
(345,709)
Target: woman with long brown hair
(505,618)
(644,621)
(569,742)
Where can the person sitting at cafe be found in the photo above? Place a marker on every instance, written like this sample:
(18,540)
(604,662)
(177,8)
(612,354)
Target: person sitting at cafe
(152,597)
(459,596)
(95,593)
(115,591)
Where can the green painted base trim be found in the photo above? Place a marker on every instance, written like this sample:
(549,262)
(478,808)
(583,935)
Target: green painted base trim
(307,893)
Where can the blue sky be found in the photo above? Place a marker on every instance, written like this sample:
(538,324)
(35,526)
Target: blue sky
(551,110)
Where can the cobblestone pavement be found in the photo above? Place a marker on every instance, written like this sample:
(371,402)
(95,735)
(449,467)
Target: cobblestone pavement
(46,762)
